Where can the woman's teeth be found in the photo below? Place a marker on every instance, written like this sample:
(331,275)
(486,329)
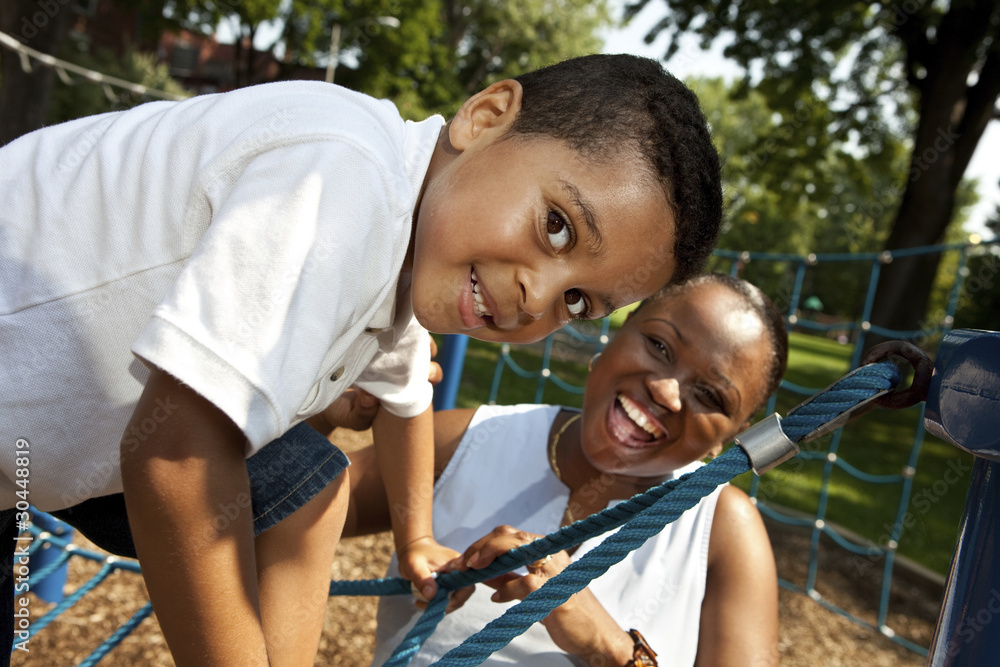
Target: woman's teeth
(478,305)
(637,416)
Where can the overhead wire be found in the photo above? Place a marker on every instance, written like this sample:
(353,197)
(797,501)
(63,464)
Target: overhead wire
(63,67)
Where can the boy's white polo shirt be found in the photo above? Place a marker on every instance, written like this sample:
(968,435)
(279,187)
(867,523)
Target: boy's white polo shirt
(248,243)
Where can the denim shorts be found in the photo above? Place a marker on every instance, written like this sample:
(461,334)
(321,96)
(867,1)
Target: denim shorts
(284,475)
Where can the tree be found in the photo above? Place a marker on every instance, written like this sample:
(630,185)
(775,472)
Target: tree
(80,98)
(428,59)
(791,188)
(244,17)
(930,68)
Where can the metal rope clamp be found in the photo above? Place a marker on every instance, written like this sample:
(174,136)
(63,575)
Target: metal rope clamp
(766,444)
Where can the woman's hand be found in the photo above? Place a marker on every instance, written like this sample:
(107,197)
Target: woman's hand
(580,626)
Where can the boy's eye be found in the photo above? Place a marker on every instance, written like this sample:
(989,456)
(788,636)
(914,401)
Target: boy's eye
(575,303)
(660,348)
(558,231)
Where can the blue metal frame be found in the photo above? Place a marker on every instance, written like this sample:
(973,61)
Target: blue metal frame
(963,407)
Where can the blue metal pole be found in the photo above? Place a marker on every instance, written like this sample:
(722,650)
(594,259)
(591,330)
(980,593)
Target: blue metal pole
(50,588)
(963,407)
(452,358)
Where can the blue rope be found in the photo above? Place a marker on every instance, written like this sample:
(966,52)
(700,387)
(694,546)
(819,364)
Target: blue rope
(118,636)
(839,398)
(648,512)
(71,599)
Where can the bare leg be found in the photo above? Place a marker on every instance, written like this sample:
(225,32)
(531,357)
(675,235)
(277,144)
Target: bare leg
(293,573)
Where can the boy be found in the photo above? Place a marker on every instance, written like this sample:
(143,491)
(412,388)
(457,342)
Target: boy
(260,251)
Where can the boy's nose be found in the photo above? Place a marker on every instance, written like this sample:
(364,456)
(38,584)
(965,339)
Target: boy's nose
(536,296)
(666,392)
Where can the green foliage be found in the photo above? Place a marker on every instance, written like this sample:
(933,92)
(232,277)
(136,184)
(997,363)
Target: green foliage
(858,78)
(844,52)
(83,98)
(427,56)
(442,52)
(791,188)
(979,307)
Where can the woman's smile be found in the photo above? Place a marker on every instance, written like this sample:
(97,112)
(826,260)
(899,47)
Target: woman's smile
(632,426)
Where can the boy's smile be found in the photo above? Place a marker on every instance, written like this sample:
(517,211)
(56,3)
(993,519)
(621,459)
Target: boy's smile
(515,236)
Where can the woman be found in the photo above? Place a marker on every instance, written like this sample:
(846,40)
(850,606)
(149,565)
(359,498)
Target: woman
(686,373)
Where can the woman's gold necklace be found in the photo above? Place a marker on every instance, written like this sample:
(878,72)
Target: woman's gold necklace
(568,517)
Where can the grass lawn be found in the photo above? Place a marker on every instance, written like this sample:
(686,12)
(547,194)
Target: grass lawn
(879,443)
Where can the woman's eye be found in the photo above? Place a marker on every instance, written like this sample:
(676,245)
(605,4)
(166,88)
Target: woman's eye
(712,399)
(558,231)
(575,303)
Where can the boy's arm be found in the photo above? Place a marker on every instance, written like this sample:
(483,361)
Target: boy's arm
(369,511)
(197,559)
(404,450)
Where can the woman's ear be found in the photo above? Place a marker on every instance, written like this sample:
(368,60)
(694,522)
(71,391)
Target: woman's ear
(715,451)
(486,115)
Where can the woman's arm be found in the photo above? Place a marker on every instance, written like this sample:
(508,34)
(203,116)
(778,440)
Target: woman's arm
(739,616)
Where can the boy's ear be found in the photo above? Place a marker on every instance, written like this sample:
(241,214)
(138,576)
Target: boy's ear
(488,113)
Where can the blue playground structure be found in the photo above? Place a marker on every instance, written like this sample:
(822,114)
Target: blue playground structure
(961,408)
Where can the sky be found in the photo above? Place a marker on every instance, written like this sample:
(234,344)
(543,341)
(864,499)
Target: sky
(692,61)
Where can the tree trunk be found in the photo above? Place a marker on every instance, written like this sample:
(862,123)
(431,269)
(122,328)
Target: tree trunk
(24,96)
(953,117)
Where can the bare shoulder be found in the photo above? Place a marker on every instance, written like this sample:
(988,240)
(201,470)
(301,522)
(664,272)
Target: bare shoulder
(738,530)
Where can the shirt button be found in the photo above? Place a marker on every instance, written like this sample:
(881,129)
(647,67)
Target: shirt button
(336,374)
(374,330)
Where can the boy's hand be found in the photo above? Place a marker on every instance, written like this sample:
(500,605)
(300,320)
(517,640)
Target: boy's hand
(354,409)
(419,559)
(436,374)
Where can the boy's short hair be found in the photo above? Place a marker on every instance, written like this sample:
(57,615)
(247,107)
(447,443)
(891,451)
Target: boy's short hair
(756,302)
(600,104)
